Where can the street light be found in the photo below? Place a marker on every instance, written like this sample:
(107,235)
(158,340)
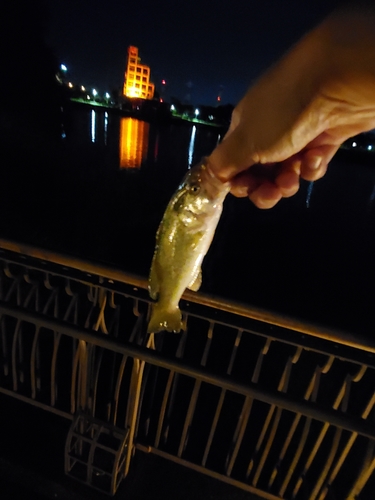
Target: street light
(196,112)
(63,68)
(94,92)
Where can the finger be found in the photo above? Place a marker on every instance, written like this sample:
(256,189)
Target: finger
(288,177)
(266,195)
(231,157)
(258,184)
(314,162)
(245,182)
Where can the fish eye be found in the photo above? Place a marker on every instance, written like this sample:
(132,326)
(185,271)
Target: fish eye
(194,188)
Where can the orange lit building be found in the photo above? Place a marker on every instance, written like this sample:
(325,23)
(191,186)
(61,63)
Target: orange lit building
(137,77)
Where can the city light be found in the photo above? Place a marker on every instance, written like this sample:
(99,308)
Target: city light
(137,77)
(354,144)
(138,86)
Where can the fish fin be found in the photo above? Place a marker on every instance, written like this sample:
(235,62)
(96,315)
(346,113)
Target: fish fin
(164,319)
(196,281)
(153,281)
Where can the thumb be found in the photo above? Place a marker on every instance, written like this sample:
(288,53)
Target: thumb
(233,155)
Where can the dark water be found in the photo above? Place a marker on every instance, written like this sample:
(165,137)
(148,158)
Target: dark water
(102,192)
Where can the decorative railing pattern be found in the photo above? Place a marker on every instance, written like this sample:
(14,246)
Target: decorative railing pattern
(273,405)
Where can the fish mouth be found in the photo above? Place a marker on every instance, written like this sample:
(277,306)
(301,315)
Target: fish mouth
(213,186)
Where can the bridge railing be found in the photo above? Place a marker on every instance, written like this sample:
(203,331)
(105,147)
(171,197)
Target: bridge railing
(276,406)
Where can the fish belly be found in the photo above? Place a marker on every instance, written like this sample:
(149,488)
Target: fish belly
(175,266)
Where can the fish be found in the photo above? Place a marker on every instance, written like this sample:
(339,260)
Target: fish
(182,241)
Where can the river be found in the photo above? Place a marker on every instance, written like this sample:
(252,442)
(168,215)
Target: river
(101,194)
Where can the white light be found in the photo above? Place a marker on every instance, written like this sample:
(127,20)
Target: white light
(63,67)
(93,119)
(369,147)
(173,108)
(196,112)
(88,97)
(83,88)
(354,144)
(105,127)
(191,146)
(94,92)
(309,193)
(107,96)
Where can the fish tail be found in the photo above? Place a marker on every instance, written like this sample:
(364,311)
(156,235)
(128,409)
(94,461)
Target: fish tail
(164,319)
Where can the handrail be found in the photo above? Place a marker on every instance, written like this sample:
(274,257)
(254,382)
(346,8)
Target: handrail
(283,400)
(322,332)
(66,320)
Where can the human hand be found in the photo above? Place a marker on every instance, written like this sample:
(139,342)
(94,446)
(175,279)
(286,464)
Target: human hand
(291,122)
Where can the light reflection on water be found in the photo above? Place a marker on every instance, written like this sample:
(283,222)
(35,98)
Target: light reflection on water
(309,193)
(106,128)
(130,143)
(133,142)
(93,126)
(191,146)
(130,140)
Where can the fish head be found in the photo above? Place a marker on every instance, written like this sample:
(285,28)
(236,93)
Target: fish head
(201,192)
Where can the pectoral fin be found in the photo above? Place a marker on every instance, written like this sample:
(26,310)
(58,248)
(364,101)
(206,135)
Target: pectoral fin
(196,281)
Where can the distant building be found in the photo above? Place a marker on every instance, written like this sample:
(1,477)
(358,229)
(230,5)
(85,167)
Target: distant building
(137,77)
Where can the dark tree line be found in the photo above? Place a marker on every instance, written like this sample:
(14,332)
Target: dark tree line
(30,96)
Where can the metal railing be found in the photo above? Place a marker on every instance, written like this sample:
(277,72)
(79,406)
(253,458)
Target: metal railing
(278,407)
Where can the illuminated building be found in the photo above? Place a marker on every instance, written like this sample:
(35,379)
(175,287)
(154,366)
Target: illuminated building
(137,77)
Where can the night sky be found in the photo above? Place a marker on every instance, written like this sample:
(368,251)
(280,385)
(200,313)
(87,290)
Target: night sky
(197,46)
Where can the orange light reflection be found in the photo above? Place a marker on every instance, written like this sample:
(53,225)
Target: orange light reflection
(133,142)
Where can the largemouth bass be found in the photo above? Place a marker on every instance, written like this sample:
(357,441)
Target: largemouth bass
(182,240)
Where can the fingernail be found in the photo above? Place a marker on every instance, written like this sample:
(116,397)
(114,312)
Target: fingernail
(240,191)
(315,162)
